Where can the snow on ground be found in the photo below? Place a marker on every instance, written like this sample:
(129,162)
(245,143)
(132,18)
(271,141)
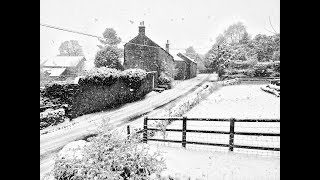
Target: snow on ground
(217,165)
(238,101)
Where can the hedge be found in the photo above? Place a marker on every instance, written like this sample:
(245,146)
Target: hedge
(99,89)
(100,76)
(133,77)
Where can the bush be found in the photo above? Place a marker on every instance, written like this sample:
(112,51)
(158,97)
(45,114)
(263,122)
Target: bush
(59,93)
(110,157)
(51,118)
(134,77)
(102,76)
(164,79)
(250,72)
(276,66)
(261,71)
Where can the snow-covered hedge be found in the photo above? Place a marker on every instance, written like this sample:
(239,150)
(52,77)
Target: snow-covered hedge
(100,76)
(230,82)
(54,117)
(133,77)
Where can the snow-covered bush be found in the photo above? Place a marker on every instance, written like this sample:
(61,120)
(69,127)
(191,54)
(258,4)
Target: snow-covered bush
(108,156)
(164,79)
(133,77)
(49,118)
(100,76)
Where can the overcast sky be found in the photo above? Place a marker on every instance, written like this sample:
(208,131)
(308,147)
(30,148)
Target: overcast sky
(183,22)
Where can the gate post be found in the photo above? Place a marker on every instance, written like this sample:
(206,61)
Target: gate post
(145,128)
(231,138)
(128,131)
(184,131)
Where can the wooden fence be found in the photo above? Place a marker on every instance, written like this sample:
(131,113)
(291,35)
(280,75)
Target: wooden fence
(231,133)
(268,79)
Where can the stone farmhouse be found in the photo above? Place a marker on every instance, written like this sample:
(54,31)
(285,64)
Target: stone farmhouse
(141,52)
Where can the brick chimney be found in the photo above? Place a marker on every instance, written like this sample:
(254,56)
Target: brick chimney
(167,46)
(142,28)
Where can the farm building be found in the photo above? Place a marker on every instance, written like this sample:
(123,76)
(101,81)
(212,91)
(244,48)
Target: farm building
(187,67)
(191,66)
(141,52)
(181,67)
(61,68)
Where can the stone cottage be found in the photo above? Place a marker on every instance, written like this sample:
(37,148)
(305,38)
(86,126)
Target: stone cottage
(141,52)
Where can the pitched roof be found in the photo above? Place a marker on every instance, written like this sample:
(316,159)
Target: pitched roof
(54,71)
(175,55)
(63,61)
(192,60)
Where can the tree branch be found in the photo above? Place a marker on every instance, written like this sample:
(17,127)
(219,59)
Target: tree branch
(272,26)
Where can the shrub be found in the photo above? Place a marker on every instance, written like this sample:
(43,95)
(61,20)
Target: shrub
(102,76)
(133,77)
(164,79)
(60,93)
(249,72)
(261,71)
(110,157)
(276,66)
(51,118)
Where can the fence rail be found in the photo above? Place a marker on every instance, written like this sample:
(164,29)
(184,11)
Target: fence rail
(231,132)
(259,79)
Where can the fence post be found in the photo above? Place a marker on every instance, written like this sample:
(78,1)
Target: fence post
(145,127)
(128,130)
(184,131)
(231,138)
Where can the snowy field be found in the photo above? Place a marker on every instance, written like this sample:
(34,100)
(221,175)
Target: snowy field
(208,165)
(238,101)
(212,162)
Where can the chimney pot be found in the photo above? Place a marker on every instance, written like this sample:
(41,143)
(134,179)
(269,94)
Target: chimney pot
(142,28)
(167,46)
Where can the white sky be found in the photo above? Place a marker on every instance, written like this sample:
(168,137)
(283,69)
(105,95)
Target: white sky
(182,22)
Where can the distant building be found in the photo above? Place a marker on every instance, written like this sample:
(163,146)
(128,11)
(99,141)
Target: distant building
(62,68)
(181,65)
(187,67)
(141,52)
(191,66)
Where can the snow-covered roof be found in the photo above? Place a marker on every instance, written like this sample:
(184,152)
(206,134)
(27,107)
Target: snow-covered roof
(192,60)
(54,71)
(175,56)
(63,61)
